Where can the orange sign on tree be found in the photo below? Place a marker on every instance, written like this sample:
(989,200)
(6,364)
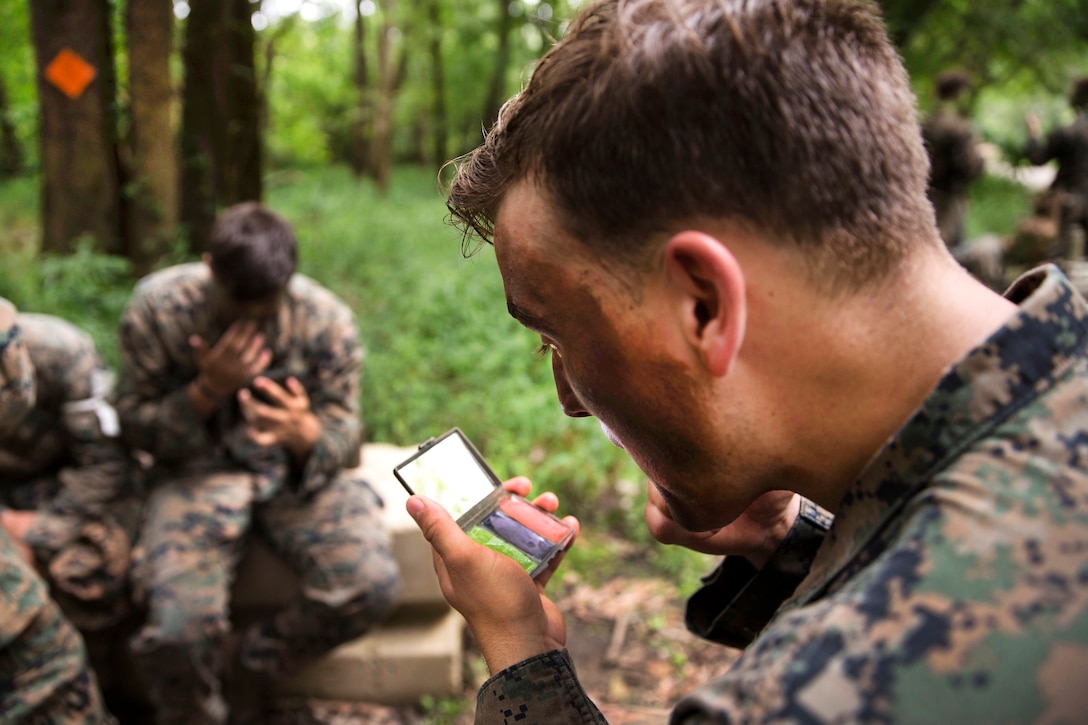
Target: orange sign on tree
(70,73)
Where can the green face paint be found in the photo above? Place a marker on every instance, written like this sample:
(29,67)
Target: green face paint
(482,536)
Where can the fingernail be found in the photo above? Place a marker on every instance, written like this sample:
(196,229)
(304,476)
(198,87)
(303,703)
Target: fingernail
(415,506)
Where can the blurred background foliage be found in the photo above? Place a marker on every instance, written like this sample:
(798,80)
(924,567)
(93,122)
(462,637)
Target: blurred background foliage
(441,349)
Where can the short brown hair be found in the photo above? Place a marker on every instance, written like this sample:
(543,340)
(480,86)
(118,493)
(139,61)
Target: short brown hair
(794,117)
(253,251)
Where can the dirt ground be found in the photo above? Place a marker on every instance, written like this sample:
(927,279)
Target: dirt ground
(627,637)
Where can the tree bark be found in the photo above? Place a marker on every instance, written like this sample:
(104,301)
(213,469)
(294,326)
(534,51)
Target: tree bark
(220,138)
(440,125)
(12,159)
(496,90)
(153,202)
(381,142)
(78,135)
(364,107)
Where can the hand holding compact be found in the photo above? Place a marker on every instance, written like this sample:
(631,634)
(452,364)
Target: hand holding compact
(505,608)
(238,357)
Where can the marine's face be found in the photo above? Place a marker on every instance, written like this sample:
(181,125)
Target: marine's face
(227,310)
(611,353)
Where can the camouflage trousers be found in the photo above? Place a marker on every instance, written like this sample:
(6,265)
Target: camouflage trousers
(44,675)
(84,558)
(193,538)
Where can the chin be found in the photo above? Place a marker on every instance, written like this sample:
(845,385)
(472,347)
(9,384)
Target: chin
(610,435)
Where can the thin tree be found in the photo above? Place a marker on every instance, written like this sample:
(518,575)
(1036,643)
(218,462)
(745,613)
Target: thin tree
(220,138)
(153,202)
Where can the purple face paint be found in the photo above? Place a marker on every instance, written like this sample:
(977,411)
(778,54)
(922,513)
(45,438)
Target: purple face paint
(517,534)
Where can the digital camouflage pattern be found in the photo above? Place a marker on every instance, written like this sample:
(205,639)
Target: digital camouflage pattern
(210,488)
(953,583)
(65,461)
(16,373)
(44,676)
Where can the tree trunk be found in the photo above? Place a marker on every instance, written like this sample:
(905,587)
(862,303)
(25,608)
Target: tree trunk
(496,90)
(440,126)
(153,201)
(12,159)
(220,140)
(381,142)
(361,118)
(78,130)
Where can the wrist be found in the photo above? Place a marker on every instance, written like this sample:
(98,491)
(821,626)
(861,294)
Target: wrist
(305,437)
(209,393)
(501,651)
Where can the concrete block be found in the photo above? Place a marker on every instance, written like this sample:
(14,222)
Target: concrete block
(411,655)
(264,581)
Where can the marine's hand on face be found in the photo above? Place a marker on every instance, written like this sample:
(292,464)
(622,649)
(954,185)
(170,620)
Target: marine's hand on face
(507,611)
(238,357)
(283,419)
(754,534)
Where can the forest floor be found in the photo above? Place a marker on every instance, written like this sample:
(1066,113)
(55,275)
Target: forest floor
(627,638)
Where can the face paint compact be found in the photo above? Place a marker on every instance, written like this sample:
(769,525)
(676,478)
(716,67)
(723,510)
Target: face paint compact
(450,470)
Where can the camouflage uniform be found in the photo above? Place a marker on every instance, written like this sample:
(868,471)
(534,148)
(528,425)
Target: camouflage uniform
(44,677)
(1069,191)
(17,391)
(64,461)
(952,585)
(211,487)
(954,163)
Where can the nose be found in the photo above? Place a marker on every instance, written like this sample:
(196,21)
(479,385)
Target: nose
(568,400)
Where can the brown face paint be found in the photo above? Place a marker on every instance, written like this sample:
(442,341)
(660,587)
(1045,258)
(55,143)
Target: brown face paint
(450,470)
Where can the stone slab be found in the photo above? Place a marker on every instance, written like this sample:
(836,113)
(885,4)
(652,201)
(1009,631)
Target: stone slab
(411,655)
(264,581)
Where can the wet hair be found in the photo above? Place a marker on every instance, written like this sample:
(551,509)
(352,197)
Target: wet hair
(792,117)
(253,252)
(950,84)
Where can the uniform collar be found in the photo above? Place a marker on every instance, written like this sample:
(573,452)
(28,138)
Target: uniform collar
(1014,365)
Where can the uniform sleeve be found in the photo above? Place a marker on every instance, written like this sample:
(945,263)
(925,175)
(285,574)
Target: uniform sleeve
(737,601)
(335,401)
(542,689)
(16,371)
(98,473)
(154,407)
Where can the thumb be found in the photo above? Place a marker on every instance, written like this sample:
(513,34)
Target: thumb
(438,527)
(196,342)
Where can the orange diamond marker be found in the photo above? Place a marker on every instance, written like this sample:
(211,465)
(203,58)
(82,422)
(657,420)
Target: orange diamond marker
(70,73)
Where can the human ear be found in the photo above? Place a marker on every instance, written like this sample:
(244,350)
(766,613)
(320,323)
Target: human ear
(709,286)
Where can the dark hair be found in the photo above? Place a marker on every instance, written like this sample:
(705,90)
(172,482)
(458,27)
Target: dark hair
(1079,97)
(791,116)
(950,84)
(253,251)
